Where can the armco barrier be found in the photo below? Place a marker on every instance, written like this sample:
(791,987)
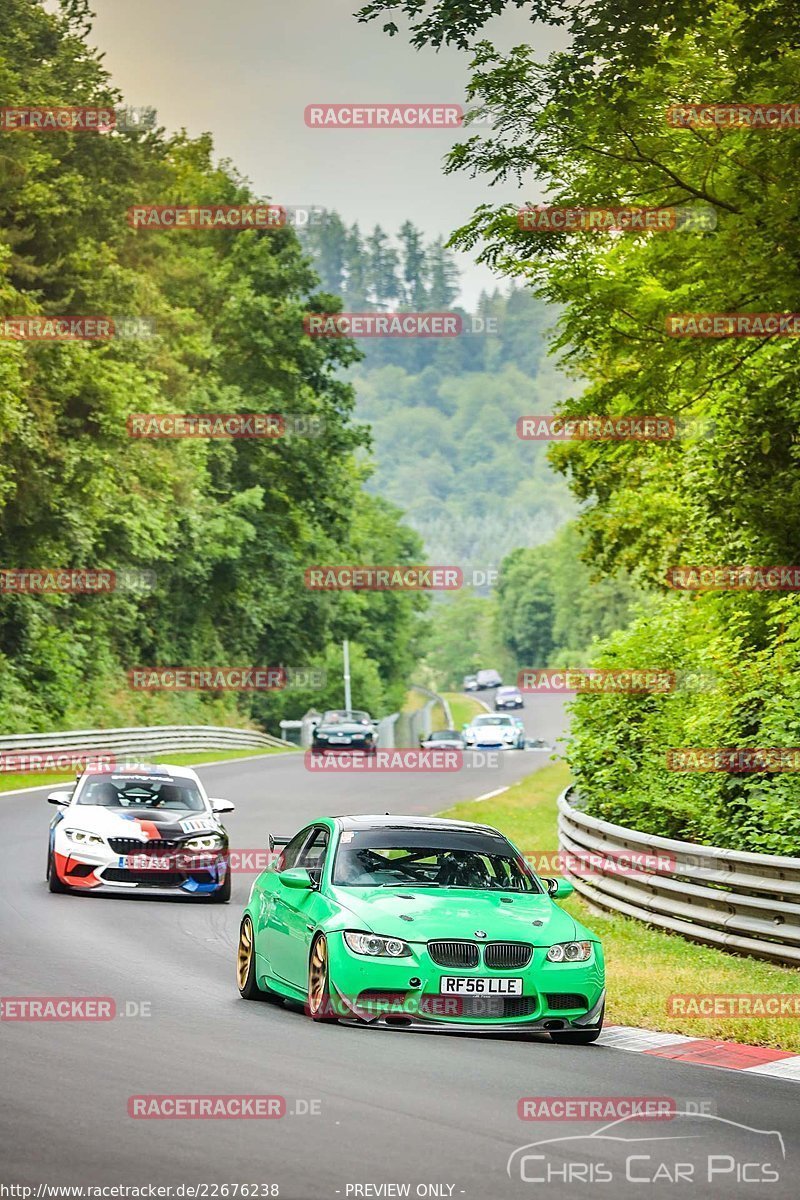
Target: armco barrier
(748,903)
(143,741)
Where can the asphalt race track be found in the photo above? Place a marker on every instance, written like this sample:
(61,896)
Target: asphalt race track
(357,1099)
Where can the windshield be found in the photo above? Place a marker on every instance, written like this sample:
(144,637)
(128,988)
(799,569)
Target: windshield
(444,735)
(342,716)
(142,792)
(416,858)
(493,721)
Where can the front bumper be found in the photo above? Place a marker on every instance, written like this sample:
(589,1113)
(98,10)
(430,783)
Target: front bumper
(103,871)
(554,995)
(361,747)
(550,1024)
(482,745)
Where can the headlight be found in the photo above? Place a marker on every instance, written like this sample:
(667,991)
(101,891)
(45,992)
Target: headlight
(84,838)
(211,841)
(570,952)
(371,943)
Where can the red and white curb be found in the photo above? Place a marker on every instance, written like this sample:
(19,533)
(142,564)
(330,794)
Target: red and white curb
(704,1052)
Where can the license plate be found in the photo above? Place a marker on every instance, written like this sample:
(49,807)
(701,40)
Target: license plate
(466,985)
(341,741)
(147,862)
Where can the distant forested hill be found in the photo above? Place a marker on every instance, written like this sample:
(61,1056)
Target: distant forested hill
(443,411)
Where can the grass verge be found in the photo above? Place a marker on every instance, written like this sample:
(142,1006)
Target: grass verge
(11,783)
(415,701)
(463,708)
(644,966)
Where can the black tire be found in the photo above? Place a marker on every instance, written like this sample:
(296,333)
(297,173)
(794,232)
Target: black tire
(53,882)
(318,997)
(223,894)
(579,1037)
(246,965)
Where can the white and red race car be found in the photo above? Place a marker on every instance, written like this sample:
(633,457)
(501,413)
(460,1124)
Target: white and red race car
(145,828)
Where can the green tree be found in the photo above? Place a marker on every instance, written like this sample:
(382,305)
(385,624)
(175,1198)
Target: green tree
(415,267)
(443,277)
(226,527)
(382,265)
(588,125)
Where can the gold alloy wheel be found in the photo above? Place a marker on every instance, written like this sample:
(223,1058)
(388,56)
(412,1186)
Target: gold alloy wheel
(318,976)
(245,953)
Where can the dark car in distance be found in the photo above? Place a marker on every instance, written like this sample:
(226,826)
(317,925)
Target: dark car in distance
(488,679)
(344,729)
(442,739)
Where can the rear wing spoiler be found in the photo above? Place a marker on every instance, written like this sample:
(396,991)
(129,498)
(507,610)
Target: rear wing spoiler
(275,839)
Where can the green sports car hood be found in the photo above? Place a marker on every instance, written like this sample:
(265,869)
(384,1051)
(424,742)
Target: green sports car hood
(456,913)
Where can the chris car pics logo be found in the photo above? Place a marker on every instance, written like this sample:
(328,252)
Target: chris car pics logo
(693,1149)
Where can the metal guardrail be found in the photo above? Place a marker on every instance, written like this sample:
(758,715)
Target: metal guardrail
(387,727)
(419,723)
(433,699)
(748,903)
(142,740)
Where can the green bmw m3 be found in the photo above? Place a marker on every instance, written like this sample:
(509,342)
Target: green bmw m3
(421,922)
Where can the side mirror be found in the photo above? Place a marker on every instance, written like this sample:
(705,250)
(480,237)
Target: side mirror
(222,806)
(559,889)
(296,877)
(62,798)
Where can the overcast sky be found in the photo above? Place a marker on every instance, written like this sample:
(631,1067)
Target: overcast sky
(246,70)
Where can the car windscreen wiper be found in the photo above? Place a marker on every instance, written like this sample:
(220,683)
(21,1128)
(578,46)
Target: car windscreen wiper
(410,883)
(471,887)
